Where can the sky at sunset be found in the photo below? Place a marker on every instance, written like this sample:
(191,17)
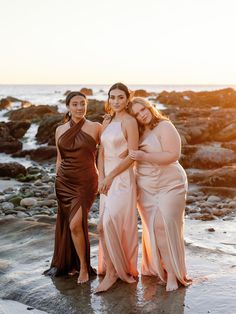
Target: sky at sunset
(102,41)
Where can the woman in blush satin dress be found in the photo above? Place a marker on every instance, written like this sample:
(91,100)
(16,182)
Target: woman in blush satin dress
(118,249)
(76,188)
(162,186)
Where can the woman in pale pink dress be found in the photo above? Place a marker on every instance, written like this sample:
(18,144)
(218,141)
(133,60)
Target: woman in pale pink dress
(118,249)
(162,186)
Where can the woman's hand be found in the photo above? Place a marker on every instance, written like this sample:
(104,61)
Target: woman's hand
(137,155)
(105,185)
(99,226)
(100,182)
(107,117)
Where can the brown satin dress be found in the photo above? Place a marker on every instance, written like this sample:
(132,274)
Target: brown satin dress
(76,186)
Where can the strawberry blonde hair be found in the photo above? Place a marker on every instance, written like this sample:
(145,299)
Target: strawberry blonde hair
(156,115)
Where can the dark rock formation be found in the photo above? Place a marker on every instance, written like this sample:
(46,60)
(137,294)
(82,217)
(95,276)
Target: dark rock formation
(95,111)
(18,129)
(221,177)
(47,128)
(33,113)
(11,169)
(8,144)
(141,93)
(86,91)
(39,154)
(225,98)
(44,153)
(5,103)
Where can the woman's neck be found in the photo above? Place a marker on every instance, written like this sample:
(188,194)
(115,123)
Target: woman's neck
(77,120)
(119,115)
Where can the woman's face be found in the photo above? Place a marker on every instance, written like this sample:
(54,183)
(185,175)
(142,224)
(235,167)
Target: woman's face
(142,113)
(77,107)
(117,100)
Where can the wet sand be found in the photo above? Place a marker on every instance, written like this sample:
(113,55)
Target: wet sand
(26,250)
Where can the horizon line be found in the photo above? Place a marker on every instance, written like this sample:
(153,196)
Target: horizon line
(141,84)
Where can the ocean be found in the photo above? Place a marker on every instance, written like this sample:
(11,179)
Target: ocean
(51,94)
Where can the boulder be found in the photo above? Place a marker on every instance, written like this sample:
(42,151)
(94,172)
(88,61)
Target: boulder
(208,157)
(95,110)
(221,177)
(5,103)
(206,99)
(17,129)
(44,153)
(5,206)
(86,91)
(141,93)
(47,128)
(11,169)
(39,154)
(226,134)
(28,202)
(33,113)
(8,143)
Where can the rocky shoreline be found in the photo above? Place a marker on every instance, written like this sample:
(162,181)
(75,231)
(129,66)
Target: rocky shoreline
(26,250)
(206,122)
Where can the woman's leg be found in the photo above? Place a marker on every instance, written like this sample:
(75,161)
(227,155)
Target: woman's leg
(163,248)
(78,238)
(110,276)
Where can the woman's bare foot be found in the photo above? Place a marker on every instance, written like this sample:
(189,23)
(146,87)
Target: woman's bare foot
(73,272)
(83,275)
(171,282)
(107,282)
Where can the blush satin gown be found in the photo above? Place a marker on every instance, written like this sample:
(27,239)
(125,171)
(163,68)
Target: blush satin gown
(161,189)
(119,208)
(76,185)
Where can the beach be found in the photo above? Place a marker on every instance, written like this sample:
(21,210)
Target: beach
(27,247)
(28,206)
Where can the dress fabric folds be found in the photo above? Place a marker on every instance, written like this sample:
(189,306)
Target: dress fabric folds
(119,209)
(76,186)
(161,191)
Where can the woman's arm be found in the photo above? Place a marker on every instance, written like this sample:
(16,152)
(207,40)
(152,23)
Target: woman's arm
(101,174)
(131,128)
(171,146)
(58,162)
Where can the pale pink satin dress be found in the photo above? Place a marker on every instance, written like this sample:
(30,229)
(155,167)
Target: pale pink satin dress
(161,189)
(119,207)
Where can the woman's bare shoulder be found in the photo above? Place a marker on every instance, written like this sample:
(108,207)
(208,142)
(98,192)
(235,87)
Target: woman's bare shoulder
(165,128)
(93,124)
(128,119)
(165,124)
(62,128)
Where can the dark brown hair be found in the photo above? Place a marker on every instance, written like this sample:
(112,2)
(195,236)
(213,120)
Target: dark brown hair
(156,115)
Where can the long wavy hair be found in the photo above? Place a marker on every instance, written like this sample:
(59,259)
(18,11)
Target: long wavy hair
(121,87)
(156,115)
(68,99)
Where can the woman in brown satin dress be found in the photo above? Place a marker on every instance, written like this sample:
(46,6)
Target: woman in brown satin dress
(76,188)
